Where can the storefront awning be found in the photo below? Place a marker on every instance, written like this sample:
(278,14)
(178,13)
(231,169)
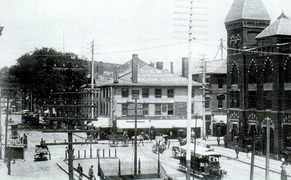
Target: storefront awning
(174,123)
(220,119)
(129,124)
(103,122)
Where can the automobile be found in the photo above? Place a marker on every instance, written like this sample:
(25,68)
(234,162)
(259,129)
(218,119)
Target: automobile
(29,117)
(42,153)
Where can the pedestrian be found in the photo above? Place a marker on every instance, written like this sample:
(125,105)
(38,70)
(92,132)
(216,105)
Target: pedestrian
(91,173)
(141,137)
(225,141)
(283,173)
(80,170)
(208,133)
(218,140)
(236,151)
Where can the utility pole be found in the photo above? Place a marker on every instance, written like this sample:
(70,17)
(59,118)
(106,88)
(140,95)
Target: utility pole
(92,79)
(189,99)
(203,96)
(267,149)
(253,157)
(221,48)
(135,136)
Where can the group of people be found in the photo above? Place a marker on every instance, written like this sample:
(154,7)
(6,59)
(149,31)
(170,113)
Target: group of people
(90,173)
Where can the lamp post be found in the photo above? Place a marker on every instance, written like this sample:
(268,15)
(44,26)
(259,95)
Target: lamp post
(193,135)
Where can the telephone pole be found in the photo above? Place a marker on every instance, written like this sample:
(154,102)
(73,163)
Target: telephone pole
(203,96)
(267,149)
(92,79)
(189,99)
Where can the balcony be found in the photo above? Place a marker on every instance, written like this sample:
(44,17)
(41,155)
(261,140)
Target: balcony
(252,87)
(268,86)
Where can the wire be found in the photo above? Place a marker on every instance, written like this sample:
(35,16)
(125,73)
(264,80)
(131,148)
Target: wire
(143,49)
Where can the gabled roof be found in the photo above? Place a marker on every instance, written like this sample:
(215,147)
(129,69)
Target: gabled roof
(147,76)
(247,9)
(282,26)
(214,67)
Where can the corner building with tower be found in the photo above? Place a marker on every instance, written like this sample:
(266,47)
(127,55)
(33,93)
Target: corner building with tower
(259,78)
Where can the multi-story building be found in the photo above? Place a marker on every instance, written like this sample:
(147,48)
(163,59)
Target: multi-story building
(215,95)
(258,74)
(161,100)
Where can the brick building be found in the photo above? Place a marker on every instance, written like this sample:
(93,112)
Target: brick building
(215,95)
(162,100)
(258,74)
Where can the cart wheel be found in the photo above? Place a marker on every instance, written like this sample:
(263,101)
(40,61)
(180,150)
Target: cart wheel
(113,143)
(125,142)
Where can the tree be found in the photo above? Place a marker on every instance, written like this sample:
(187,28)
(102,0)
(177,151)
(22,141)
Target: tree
(46,70)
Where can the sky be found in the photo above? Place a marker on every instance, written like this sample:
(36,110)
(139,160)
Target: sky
(156,30)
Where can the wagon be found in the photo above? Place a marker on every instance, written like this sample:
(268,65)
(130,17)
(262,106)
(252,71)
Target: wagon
(116,139)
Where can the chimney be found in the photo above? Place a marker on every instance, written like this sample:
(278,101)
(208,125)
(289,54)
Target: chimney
(172,67)
(185,67)
(134,68)
(160,65)
(100,67)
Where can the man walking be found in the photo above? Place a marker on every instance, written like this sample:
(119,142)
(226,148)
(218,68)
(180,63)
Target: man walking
(236,151)
(80,171)
(283,173)
(218,140)
(91,173)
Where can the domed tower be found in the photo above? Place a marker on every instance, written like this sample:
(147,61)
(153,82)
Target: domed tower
(245,20)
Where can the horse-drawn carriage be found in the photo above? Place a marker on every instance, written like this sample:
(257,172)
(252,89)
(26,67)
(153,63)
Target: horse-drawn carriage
(115,139)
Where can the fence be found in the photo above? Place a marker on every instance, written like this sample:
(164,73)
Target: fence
(91,153)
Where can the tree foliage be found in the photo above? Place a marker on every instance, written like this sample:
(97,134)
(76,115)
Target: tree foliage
(46,70)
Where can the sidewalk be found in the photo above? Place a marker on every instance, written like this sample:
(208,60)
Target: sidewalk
(260,161)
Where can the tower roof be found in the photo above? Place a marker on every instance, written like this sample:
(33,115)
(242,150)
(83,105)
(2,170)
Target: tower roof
(282,26)
(247,9)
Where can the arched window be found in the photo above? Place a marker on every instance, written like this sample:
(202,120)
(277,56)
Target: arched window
(253,73)
(234,74)
(268,71)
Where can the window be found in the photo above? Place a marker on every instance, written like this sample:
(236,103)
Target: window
(158,93)
(234,74)
(170,109)
(234,99)
(192,108)
(268,72)
(220,99)
(145,93)
(207,100)
(158,109)
(124,92)
(170,93)
(135,93)
(220,103)
(267,99)
(220,83)
(252,99)
(145,109)
(253,74)
(124,109)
